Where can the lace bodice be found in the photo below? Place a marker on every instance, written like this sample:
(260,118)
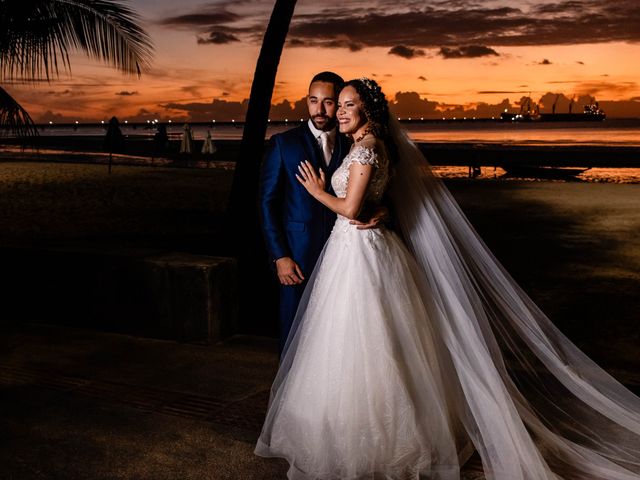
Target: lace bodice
(366,154)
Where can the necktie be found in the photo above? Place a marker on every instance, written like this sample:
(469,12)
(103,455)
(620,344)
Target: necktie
(326,148)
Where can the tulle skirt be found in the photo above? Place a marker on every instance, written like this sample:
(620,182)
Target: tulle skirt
(361,393)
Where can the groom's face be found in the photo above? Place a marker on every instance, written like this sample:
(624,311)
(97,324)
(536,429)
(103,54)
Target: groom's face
(322,105)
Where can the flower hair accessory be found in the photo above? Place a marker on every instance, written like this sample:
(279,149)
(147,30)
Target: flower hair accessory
(372,86)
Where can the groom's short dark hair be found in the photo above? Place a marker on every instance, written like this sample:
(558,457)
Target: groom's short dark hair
(329,77)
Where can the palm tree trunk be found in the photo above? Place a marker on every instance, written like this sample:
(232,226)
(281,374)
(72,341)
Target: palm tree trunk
(248,246)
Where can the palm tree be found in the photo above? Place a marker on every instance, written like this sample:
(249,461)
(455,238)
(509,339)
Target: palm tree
(248,245)
(36,37)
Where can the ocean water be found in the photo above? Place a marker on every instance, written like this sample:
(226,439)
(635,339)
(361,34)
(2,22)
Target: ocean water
(613,132)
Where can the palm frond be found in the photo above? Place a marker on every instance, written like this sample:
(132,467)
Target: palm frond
(36,37)
(13,118)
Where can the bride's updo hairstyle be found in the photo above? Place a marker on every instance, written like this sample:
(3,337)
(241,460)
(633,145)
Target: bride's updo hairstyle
(376,110)
(375,105)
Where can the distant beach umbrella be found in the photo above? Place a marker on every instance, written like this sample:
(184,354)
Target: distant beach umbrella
(186,146)
(208,146)
(113,140)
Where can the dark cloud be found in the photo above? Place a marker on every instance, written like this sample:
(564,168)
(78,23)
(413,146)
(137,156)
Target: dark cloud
(560,100)
(125,93)
(478,110)
(423,25)
(406,52)
(289,110)
(424,79)
(216,25)
(339,42)
(66,92)
(621,108)
(595,88)
(216,110)
(451,24)
(499,92)
(204,19)
(218,38)
(55,117)
(579,62)
(613,108)
(469,51)
(191,89)
(410,104)
(546,61)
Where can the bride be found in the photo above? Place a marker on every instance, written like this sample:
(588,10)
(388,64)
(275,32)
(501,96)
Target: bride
(412,349)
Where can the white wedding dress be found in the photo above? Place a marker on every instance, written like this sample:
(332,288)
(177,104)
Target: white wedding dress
(408,354)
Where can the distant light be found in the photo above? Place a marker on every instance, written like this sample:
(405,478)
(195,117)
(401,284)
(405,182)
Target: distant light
(156,120)
(398,118)
(50,122)
(443,118)
(126,121)
(421,118)
(302,120)
(474,118)
(505,110)
(493,118)
(102,122)
(454,118)
(464,118)
(213,121)
(286,120)
(233,121)
(148,121)
(409,118)
(77,122)
(170,121)
(269,120)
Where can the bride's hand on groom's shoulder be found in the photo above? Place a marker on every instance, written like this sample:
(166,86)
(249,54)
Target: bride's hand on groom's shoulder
(310,179)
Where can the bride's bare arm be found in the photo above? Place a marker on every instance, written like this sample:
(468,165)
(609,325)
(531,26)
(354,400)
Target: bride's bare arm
(351,204)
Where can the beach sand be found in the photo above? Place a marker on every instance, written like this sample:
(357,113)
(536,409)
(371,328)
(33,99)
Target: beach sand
(572,246)
(84,404)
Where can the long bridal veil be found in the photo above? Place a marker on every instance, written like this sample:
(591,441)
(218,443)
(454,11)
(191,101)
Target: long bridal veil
(531,402)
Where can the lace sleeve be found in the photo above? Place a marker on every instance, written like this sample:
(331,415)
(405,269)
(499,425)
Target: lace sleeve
(364,155)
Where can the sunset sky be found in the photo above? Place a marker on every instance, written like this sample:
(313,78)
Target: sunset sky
(446,58)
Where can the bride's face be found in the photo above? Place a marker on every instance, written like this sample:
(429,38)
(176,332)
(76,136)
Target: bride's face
(351,116)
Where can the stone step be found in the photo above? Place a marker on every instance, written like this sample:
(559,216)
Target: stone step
(178,296)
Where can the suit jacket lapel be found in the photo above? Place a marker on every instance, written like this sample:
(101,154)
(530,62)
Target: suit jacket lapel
(340,150)
(311,147)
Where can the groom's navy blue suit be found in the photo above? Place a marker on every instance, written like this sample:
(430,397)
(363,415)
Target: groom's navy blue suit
(294,223)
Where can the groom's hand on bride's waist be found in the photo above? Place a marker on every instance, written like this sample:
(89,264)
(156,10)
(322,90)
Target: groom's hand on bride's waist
(289,272)
(371,219)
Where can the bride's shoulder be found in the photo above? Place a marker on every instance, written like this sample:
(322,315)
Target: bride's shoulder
(367,151)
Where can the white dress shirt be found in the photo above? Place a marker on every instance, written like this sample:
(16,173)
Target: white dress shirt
(330,136)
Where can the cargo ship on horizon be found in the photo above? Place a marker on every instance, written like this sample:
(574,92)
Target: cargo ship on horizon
(530,112)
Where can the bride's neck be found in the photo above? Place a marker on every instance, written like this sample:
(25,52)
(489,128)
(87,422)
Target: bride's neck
(362,133)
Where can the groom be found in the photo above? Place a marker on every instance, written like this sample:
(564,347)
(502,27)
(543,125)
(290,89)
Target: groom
(294,224)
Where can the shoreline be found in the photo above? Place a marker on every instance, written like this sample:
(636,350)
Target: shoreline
(450,161)
(438,152)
